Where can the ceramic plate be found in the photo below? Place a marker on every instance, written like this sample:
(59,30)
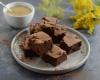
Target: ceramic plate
(74,61)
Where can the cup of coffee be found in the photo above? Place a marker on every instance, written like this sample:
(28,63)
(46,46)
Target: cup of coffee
(21,14)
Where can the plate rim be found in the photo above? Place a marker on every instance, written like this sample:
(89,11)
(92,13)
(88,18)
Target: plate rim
(27,66)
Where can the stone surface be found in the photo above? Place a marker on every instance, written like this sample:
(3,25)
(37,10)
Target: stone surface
(11,70)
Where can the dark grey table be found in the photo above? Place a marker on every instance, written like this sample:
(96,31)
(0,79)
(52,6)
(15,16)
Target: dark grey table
(11,70)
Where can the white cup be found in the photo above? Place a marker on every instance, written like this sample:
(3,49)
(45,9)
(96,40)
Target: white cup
(19,21)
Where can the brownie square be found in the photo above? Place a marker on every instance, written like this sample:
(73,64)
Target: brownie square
(25,47)
(34,27)
(59,33)
(70,43)
(40,43)
(50,20)
(49,29)
(49,25)
(55,56)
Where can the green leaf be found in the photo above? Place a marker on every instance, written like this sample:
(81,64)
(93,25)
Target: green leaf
(45,2)
(97,2)
(51,8)
(69,1)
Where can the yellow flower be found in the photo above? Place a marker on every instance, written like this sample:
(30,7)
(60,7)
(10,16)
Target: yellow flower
(82,6)
(87,15)
(97,11)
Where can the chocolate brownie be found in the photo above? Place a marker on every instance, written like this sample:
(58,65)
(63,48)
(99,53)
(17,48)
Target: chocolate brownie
(25,47)
(50,20)
(34,27)
(70,43)
(55,56)
(49,25)
(49,29)
(40,43)
(59,33)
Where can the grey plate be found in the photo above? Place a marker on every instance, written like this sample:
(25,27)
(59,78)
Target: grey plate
(74,61)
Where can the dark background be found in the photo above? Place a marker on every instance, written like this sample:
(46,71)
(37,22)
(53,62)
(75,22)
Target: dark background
(11,70)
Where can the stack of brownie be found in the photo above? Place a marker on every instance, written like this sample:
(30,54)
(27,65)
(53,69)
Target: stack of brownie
(49,41)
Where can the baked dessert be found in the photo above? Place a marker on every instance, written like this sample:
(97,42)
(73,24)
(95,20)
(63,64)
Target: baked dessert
(40,43)
(50,20)
(55,56)
(49,41)
(70,43)
(49,29)
(59,33)
(34,27)
(25,47)
(48,25)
